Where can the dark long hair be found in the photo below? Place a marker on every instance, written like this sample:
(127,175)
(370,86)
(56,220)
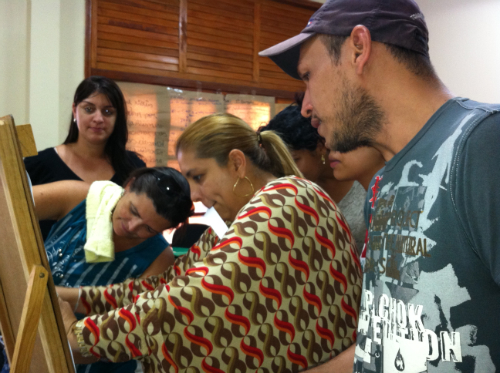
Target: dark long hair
(167,189)
(115,145)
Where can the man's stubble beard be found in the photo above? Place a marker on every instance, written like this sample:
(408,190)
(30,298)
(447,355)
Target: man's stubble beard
(359,119)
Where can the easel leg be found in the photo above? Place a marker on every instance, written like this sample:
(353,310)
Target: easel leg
(29,320)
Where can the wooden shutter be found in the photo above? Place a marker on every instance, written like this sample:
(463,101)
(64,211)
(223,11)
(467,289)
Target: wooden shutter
(194,43)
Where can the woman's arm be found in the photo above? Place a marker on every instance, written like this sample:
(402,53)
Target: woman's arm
(69,321)
(55,200)
(160,264)
(100,299)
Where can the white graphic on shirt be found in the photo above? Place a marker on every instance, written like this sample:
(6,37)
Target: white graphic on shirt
(405,318)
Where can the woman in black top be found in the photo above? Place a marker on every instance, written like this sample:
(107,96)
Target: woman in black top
(95,146)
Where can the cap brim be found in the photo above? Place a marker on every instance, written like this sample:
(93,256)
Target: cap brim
(286,54)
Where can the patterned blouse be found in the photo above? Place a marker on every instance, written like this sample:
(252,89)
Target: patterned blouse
(278,293)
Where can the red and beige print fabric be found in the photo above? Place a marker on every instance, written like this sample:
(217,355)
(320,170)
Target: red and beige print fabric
(279,292)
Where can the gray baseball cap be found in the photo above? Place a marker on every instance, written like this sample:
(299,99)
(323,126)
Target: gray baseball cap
(397,22)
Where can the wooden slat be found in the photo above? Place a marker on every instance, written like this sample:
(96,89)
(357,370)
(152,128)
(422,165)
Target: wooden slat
(132,17)
(137,48)
(183,36)
(270,12)
(171,5)
(230,5)
(256,41)
(138,33)
(230,27)
(139,41)
(216,19)
(216,9)
(219,66)
(275,6)
(212,31)
(134,10)
(280,33)
(138,26)
(129,62)
(137,56)
(241,3)
(283,26)
(219,60)
(228,48)
(222,74)
(221,39)
(219,53)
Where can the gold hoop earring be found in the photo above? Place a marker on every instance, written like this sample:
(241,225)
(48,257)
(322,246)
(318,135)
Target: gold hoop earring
(251,185)
(323,160)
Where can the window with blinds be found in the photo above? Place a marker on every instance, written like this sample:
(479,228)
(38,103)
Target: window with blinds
(193,43)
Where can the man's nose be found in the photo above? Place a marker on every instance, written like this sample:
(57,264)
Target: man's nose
(307,107)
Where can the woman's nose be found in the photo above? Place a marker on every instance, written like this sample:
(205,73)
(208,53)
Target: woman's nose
(98,117)
(195,194)
(133,224)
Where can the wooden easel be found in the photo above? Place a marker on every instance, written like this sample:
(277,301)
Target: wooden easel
(30,320)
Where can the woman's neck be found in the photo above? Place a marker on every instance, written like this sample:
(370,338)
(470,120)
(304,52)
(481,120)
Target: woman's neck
(125,243)
(85,150)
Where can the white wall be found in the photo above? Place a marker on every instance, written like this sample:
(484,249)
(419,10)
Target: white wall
(41,63)
(464,43)
(14,60)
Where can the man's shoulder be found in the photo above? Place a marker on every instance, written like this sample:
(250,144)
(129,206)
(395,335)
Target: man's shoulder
(475,105)
(484,126)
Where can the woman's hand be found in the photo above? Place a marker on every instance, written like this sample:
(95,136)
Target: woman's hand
(69,318)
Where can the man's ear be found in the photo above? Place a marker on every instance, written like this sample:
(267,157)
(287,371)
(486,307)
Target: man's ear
(361,44)
(237,162)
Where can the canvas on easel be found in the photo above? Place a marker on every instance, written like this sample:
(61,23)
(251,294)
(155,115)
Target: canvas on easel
(30,320)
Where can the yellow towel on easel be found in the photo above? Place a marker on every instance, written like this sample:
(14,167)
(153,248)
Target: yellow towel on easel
(101,201)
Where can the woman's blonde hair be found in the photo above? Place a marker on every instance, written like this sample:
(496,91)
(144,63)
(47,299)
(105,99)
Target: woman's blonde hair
(214,136)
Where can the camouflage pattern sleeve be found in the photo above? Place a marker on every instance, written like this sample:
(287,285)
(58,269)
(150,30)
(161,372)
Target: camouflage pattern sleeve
(280,292)
(101,299)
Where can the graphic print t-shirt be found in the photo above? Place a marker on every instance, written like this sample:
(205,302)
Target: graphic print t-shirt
(431,295)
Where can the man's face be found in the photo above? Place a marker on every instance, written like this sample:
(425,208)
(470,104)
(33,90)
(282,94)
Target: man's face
(345,114)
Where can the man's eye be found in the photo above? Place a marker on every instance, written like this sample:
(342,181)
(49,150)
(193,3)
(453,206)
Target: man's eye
(305,77)
(197,178)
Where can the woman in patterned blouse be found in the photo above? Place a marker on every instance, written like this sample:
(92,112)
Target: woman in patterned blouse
(279,292)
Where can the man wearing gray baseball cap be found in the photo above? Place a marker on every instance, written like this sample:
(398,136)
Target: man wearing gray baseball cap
(431,286)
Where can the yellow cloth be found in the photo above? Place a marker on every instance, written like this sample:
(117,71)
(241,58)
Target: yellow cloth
(101,201)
